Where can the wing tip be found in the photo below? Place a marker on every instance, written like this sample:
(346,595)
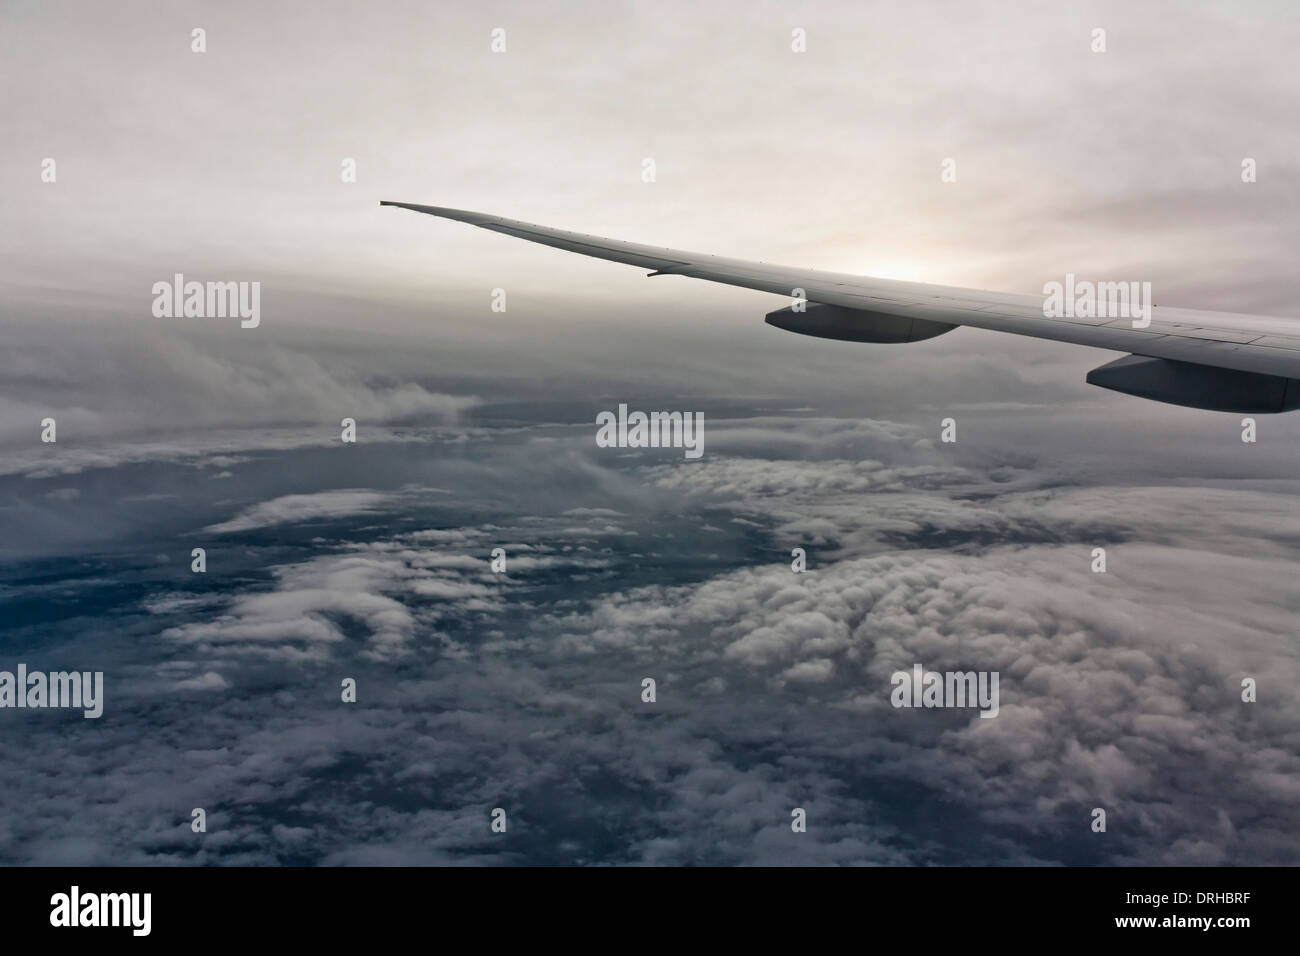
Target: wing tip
(446,212)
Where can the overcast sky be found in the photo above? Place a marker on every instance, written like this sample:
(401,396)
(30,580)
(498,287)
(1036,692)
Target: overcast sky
(226,165)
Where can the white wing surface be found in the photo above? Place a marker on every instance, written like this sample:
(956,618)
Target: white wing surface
(1216,360)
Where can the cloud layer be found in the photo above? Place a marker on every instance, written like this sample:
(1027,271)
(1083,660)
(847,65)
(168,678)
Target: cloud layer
(522,689)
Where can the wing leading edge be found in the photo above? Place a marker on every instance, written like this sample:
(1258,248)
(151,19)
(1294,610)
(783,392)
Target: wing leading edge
(1214,360)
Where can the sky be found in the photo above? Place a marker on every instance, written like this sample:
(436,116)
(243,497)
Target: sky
(522,689)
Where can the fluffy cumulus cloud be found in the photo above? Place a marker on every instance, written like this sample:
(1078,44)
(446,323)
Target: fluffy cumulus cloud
(1115,691)
(522,689)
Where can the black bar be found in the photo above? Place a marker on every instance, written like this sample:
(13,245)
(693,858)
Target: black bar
(657,906)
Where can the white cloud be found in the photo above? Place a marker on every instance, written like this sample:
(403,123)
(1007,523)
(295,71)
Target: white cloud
(210,680)
(290,509)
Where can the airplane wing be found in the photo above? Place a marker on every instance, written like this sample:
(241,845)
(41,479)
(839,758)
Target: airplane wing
(1212,360)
